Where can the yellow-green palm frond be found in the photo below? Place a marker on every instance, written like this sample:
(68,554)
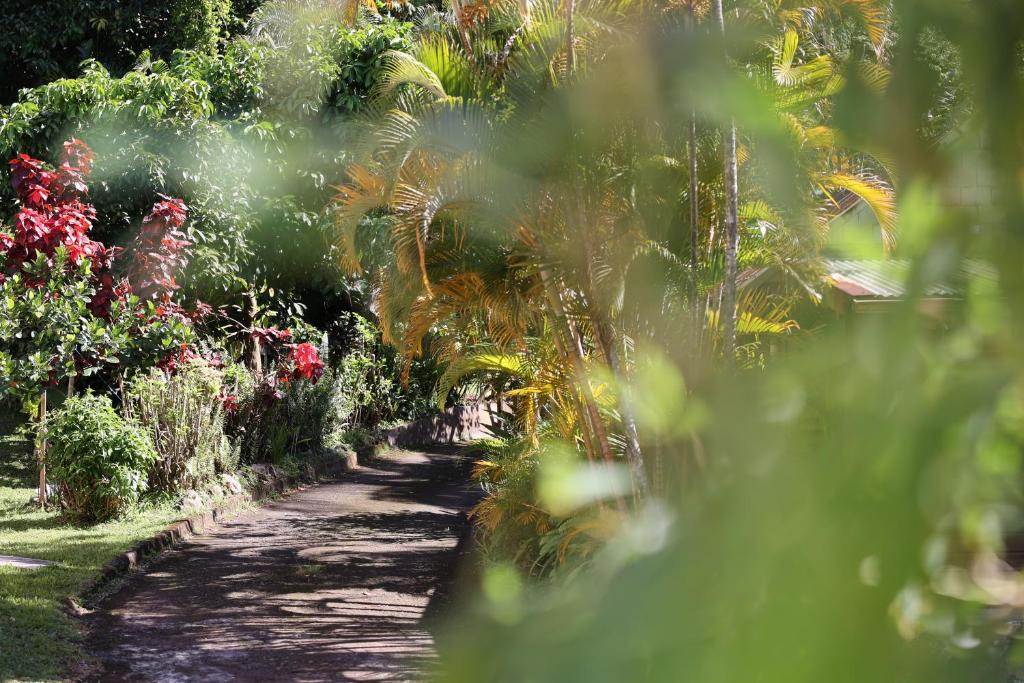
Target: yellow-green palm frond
(365,192)
(759,312)
(480,362)
(876,193)
(402,69)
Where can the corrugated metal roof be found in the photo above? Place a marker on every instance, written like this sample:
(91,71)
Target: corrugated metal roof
(886,279)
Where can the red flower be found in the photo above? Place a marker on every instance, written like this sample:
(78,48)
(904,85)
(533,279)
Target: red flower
(173,360)
(229,402)
(305,362)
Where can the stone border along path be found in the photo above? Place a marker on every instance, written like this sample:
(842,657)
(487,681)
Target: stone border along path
(328,584)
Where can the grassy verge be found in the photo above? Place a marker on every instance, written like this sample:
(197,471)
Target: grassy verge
(38,640)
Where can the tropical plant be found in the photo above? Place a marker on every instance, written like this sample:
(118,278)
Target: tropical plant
(65,312)
(98,459)
(181,410)
(48,42)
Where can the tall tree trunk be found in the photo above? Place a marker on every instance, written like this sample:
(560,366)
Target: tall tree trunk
(41,450)
(633,445)
(691,153)
(256,357)
(637,469)
(570,37)
(691,157)
(727,311)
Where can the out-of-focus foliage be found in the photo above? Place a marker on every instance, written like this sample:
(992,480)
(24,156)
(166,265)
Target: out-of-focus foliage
(837,509)
(537,212)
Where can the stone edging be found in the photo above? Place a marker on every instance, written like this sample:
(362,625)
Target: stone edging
(456,424)
(178,532)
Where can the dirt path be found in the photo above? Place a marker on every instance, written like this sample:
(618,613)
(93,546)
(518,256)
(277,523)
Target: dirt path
(330,583)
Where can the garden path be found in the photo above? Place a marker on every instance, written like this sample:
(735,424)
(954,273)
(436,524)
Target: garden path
(330,583)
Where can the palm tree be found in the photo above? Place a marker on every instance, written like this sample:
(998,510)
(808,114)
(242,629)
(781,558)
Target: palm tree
(496,240)
(731,224)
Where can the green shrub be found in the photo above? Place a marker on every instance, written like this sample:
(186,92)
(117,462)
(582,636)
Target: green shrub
(47,40)
(364,441)
(276,420)
(183,413)
(369,393)
(98,459)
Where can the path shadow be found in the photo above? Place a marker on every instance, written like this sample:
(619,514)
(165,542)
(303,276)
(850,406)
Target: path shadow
(329,584)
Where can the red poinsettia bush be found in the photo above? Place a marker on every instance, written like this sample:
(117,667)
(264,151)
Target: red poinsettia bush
(64,309)
(54,216)
(160,251)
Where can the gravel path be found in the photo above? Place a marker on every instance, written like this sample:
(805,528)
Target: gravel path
(330,583)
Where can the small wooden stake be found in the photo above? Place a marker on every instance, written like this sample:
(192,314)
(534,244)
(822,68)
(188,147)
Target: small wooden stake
(41,449)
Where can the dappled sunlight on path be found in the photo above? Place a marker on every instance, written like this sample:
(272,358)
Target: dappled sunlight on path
(328,584)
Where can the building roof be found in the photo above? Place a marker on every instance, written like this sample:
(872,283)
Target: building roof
(885,280)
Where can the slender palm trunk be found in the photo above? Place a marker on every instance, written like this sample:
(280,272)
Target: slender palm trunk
(605,335)
(732,243)
(638,471)
(460,27)
(727,311)
(595,438)
(691,153)
(572,348)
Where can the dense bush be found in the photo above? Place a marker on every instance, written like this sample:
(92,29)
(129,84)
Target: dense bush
(64,310)
(246,136)
(98,459)
(182,411)
(288,412)
(47,40)
(370,395)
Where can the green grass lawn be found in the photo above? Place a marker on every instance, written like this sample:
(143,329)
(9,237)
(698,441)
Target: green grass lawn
(38,640)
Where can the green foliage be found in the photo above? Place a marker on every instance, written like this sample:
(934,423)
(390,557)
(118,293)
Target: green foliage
(361,55)
(245,136)
(45,329)
(370,395)
(153,134)
(276,420)
(44,41)
(183,414)
(198,24)
(98,459)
